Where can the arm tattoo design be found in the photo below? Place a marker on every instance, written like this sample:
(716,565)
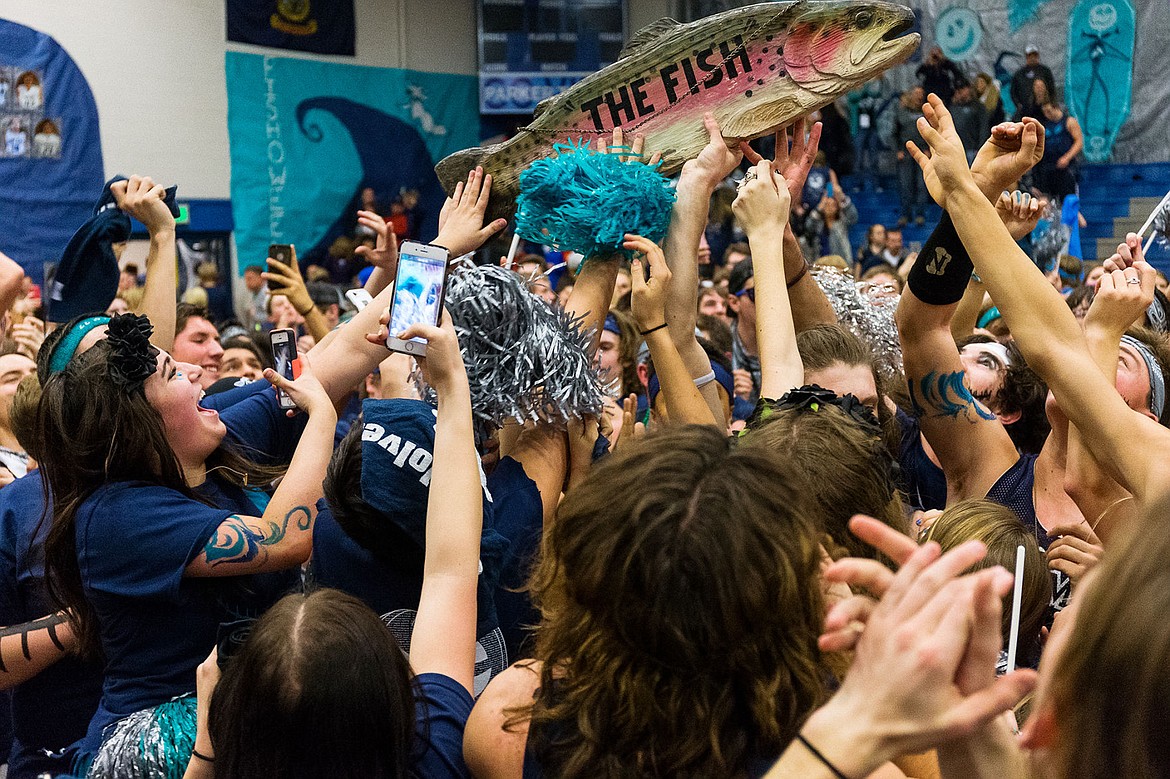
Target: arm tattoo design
(235,541)
(48,624)
(946,395)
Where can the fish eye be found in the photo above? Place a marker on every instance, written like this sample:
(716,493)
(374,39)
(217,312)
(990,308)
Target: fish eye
(864,19)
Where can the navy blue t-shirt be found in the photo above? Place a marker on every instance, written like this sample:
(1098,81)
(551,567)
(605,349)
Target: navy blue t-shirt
(519,516)
(924,482)
(443,707)
(134,542)
(392,589)
(53,709)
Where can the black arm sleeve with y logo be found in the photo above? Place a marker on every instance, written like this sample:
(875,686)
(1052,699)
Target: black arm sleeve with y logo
(940,275)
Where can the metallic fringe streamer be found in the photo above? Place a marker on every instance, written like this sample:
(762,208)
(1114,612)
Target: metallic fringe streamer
(868,313)
(151,744)
(525,360)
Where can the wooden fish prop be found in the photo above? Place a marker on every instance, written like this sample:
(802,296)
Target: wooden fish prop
(756,68)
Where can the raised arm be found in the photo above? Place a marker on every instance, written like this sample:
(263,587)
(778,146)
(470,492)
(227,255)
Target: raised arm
(1125,444)
(684,403)
(350,357)
(762,209)
(443,639)
(971,444)
(384,255)
(292,285)
(283,536)
(142,199)
(1116,306)
(699,179)
(810,306)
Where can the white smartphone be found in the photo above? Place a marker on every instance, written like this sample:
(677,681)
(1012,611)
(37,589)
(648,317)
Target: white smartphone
(284,351)
(359,297)
(419,287)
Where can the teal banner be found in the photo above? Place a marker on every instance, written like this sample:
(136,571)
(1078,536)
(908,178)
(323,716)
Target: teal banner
(307,138)
(1099,80)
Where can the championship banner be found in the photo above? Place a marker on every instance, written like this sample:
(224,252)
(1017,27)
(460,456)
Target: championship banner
(318,26)
(51,158)
(307,137)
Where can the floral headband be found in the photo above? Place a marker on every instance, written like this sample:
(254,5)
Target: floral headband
(133,358)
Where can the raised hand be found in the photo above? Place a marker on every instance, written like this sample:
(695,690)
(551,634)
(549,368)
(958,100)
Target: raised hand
(461,227)
(1128,254)
(946,167)
(648,302)
(29,335)
(142,199)
(1007,154)
(761,204)
(385,252)
(289,283)
(443,366)
(1075,551)
(924,671)
(717,159)
(306,391)
(631,429)
(793,164)
(1123,293)
(1020,212)
(617,146)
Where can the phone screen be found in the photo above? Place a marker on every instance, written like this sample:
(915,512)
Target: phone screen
(417,293)
(284,351)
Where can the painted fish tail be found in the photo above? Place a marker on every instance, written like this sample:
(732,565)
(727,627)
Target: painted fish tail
(454,167)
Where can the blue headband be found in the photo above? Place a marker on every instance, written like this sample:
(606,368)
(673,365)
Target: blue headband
(611,324)
(988,316)
(67,346)
(1157,380)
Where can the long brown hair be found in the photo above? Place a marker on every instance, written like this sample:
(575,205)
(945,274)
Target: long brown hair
(680,608)
(1111,689)
(92,432)
(844,466)
(320,688)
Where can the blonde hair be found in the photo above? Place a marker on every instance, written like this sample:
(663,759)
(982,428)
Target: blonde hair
(833,261)
(1002,532)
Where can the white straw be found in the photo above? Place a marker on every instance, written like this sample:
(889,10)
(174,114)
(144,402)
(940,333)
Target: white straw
(512,250)
(1154,213)
(1017,593)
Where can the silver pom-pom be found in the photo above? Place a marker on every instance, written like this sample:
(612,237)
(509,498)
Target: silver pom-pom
(868,311)
(525,360)
(150,744)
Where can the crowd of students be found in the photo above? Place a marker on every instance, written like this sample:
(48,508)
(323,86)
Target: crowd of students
(774,554)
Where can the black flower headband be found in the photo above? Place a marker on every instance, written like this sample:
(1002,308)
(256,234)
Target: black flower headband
(133,358)
(812,397)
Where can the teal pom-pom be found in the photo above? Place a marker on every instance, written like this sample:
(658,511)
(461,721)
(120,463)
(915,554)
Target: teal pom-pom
(583,201)
(151,744)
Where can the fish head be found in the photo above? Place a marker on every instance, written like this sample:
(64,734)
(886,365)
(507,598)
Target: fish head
(833,46)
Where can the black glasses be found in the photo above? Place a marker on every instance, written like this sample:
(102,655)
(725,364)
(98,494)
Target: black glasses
(750,293)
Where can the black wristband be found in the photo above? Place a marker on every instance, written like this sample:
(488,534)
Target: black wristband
(943,268)
(652,329)
(204,758)
(817,754)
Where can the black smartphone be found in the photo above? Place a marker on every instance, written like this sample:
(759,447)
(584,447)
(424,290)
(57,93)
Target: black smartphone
(283,253)
(419,288)
(284,351)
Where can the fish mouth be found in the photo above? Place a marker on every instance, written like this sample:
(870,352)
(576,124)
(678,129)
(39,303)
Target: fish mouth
(898,29)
